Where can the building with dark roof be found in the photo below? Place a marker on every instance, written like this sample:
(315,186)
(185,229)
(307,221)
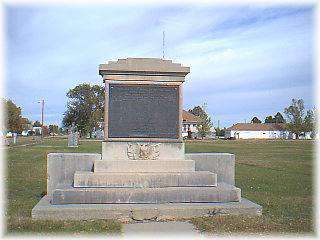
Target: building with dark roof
(189,124)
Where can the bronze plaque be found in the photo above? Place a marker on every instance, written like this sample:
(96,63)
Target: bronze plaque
(143,111)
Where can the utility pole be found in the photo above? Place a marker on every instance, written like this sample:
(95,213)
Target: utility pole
(219,124)
(163,44)
(42,113)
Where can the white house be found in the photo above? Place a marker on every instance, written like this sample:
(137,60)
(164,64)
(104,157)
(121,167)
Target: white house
(189,125)
(257,131)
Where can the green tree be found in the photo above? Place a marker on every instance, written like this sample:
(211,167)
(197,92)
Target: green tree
(13,116)
(25,124)
(37,124)
(278,118)
(197,111)
(309,122)
(220,132)
(85,107)
(205,123)
(53,129)
(298,121)
(255,120)
(269,119)
(63,130)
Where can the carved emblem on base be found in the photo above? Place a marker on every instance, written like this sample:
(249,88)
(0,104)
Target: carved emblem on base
(136,151)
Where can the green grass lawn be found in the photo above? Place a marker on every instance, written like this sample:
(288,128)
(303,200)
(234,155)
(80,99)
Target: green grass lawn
(275,174)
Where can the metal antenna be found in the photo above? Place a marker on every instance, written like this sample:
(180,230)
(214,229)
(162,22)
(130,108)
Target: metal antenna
(163,44)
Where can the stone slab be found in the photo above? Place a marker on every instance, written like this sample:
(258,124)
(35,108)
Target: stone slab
(126,212)
(112,151)
(223,164)
(61,167)
(66,194)
(144,180)
(144,166)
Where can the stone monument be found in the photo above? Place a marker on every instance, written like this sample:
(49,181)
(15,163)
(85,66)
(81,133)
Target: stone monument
(73,136)
(99,134)
(143,171)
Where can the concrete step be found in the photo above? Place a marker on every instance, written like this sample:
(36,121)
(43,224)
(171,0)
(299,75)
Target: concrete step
(66,194)
(144,180)
(144,166)
(44,210)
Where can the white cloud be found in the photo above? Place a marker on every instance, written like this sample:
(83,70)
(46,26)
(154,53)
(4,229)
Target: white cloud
(237,54)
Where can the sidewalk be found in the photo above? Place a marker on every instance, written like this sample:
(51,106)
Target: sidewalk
(160,229)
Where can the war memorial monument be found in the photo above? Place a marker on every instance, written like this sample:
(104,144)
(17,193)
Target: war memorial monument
(143,172)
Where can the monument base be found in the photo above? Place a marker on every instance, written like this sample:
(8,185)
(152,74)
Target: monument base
(131,212)
(146,196)
(113,150)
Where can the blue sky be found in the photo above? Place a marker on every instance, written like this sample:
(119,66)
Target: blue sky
(246,60)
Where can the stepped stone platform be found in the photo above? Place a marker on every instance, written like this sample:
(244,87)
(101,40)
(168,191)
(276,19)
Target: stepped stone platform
(139,195)
(66,194)
(144,180)
(75,192)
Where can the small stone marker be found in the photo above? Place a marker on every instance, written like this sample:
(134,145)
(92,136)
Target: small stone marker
(15,136)
(99,134)
(73,136)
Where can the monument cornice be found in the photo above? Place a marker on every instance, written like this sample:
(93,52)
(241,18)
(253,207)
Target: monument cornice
(141,73)
(143,67)
(144,79)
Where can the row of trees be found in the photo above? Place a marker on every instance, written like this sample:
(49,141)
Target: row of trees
(298,119)
(278,118)
(86,109)
(14,121)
